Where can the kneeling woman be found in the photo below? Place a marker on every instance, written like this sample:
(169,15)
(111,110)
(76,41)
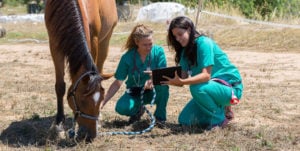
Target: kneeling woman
(215,83)
(141,56)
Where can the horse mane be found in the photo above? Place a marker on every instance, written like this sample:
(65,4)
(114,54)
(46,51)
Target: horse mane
(68,30)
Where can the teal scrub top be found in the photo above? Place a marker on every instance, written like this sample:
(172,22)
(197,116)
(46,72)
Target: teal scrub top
(210,54)
(132,68)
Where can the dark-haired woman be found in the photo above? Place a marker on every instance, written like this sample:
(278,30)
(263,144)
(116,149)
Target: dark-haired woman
(215,83)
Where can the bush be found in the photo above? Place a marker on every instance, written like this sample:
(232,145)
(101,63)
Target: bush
(267,9)
(18,2)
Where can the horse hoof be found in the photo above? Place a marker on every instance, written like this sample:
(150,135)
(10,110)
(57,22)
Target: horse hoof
(56,131)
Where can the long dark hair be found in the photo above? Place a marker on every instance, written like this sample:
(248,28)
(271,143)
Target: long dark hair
(190,50)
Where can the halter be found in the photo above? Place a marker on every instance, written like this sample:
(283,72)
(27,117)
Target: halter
(72,134)
(72,94)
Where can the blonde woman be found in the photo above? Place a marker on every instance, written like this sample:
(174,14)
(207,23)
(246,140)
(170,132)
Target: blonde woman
(141,56)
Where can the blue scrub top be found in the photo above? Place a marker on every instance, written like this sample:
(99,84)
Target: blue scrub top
(132,68)
(210,54)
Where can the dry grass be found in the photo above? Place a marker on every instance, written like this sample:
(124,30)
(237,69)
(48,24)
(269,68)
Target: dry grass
(267,119)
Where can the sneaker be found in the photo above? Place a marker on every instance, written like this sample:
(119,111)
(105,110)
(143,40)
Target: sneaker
(229,113)
(137,116)
(224,123)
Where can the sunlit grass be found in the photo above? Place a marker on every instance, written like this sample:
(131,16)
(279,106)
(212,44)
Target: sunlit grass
(266,119)
(228,33)
(13,10)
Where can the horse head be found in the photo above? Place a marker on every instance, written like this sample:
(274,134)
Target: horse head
(84,98)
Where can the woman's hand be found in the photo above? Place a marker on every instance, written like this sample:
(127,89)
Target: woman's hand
(114,87)
(177,81)
(148,85)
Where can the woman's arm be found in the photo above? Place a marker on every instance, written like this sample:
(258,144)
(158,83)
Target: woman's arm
(113,89)
(204,76)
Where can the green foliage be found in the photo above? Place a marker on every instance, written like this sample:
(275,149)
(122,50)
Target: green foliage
(246,7)
(11,2)
(18,2)
(291,7)
(267,9)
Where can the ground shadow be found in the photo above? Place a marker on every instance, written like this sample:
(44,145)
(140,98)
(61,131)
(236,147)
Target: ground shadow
(114,124)
(178,129)
(123,125)
(30,132)
(36,131)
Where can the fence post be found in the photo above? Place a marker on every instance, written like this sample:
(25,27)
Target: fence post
(200,4)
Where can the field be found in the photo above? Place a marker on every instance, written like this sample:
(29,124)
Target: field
(268,117)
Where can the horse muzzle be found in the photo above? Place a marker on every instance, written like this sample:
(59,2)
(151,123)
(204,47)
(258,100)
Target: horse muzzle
(86,134)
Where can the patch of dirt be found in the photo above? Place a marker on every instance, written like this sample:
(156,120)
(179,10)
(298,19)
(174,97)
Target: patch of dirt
(268,116)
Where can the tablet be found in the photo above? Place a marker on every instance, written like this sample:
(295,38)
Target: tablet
(157,74)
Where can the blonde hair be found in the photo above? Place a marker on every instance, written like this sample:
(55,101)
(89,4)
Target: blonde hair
(139,31)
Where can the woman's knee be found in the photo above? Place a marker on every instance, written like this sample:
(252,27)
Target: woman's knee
(199,88)
(189,114)
(200,93)
(123,107)
(238,91)
(183,120)
(122,110)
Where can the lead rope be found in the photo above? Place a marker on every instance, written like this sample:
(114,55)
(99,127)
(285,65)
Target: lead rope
(151,126)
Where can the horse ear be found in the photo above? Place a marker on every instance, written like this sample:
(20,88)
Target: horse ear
(87,78)
(91,81)
(106,76)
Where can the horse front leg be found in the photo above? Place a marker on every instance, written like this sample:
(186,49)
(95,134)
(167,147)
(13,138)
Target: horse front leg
(57,128)
(60,88)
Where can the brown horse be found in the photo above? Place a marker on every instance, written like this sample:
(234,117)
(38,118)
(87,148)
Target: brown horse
(79,33)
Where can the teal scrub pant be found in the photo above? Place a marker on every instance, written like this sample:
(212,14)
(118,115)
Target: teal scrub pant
(128,105)
(207,107)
